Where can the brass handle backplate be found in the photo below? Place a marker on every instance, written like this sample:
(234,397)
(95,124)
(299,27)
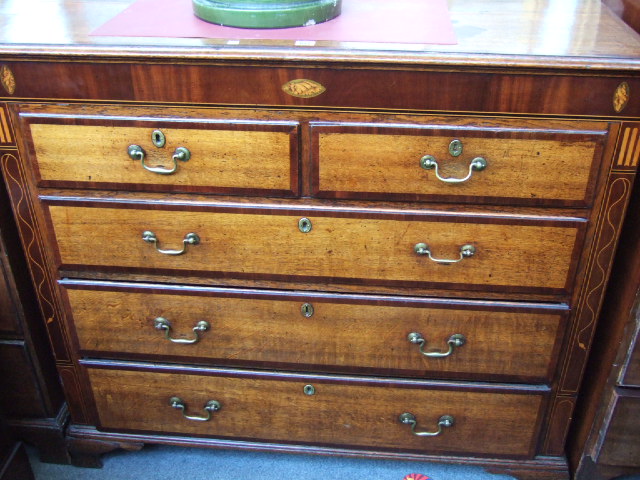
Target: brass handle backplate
(455,340)
(162,323)
(189,239)
(210,407)
(444,421)
(182,154)
(465,252)
(428,162)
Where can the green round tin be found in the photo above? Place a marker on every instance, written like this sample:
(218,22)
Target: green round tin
(267,13)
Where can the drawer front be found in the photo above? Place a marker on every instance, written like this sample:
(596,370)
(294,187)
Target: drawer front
(621,445)
(303,331)
(630,372)
(509,254)
(222,156)
(19,392)
(8,314)
(340,412)
(528,163)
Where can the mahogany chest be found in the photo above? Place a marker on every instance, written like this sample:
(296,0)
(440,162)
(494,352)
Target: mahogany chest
(382,250)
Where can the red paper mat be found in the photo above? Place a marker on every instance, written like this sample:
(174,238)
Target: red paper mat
(386,21)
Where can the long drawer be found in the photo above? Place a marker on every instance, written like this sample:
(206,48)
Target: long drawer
(473,252)
(306,331)
(478,419)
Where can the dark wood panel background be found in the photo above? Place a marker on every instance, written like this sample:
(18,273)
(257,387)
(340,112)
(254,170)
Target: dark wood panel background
(457,90)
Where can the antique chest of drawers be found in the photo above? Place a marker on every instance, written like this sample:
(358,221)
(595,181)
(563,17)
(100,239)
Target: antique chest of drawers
(403,258)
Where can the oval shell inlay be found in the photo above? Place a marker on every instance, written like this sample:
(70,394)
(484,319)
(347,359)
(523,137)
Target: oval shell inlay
(621,97)
(7,79)
(303,88)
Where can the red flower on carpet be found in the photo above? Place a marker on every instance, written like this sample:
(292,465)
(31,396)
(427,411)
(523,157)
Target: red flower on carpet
(416,476)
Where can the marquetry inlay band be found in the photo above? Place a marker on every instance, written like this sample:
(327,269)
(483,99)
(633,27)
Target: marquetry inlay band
(630,148)
(621,97)
(5,132)
(303,88)
(7,79)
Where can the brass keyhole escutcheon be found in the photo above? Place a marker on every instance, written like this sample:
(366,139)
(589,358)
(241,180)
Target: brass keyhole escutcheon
(309,390)
(307,310)
(158,139)
(455,148)
(304,224)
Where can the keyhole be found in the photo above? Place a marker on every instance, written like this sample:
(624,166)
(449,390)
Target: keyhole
(307,310)
(158,138)
(455,148)
(309,390)
(304,224)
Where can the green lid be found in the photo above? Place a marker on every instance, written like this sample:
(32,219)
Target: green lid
(266,13)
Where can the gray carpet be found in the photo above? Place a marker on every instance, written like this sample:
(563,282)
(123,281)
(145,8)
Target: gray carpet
(176,463)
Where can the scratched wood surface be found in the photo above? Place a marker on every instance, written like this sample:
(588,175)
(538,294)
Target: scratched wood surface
(340,414)
(379,250)
(228,157)
(511,344)
(531,165)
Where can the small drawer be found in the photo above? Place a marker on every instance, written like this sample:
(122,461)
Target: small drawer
(525,163)
(193,154)
(322,410)
(307,331)
(414,250)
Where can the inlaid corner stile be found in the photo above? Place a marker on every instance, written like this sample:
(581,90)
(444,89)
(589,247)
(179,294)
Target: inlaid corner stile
(630,148)
(5,130)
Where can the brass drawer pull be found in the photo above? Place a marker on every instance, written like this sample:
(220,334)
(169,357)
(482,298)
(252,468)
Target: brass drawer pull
(181,153)
(162,323)
(444,421)
(455,340)
(428,162)
(189,239)
(210,407)
(465,252)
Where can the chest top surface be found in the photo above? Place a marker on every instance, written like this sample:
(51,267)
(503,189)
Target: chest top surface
(530,33)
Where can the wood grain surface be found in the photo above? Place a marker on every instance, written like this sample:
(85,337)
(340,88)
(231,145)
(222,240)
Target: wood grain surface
(368,337)
(508,33)
(630,376)
(8,314)
(525,164)
(545,91)
(530,255)
(621,443)
(339,413)
(233,157)
(21,397)
(438,89)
